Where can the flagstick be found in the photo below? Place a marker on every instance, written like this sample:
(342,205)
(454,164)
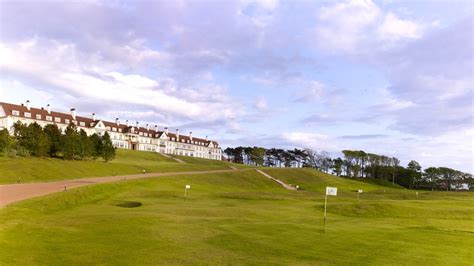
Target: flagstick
(325,207)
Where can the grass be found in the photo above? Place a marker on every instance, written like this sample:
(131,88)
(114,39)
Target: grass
(238,218)
(31,169)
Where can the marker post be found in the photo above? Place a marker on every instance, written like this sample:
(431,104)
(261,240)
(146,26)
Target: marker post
(186,190)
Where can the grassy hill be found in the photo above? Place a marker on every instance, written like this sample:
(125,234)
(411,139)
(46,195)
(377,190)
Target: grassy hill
(33,169)
(239,218)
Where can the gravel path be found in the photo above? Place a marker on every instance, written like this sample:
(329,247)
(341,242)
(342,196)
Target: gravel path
(15,192)
(283,184)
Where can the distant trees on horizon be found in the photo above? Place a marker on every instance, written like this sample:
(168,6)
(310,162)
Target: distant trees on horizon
(354,164)
(33,140)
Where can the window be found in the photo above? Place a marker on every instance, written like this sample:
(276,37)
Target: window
(49,118)
(38,116)
(108,128)
(57,119)
(67,121)
(114,129)
(91,124)
(82,124)
(27,114)
(16,112)
(120,130)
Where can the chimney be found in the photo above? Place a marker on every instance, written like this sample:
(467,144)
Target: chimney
(191,135)
(137,125)
(147,127)
(28,105)
(73,113)
(156,128)
(207,138)
(166,130)
(126,122)
(177,134)
(117,121)
(93,116)
(48,108)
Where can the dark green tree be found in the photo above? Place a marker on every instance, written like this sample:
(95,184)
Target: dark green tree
(70,142)
(108,149)
(96,144)
(84,145)
(6,141)
(54,135)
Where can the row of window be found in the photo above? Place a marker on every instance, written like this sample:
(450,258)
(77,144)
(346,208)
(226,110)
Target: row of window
(114,129)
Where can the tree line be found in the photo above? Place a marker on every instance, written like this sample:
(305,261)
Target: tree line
(353,164)
(50,141)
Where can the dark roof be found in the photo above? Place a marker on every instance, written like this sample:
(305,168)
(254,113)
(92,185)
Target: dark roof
(89,122)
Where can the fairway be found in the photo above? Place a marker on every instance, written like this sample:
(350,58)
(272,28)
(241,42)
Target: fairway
(239,218)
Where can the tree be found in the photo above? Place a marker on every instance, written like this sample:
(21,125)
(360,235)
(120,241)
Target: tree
(414,172)
(448,175)
(337,166)
(6,141)
(431,175)
(96,145)
(108,149)
(69,142)
(84,145)
(257,155)
(54,135)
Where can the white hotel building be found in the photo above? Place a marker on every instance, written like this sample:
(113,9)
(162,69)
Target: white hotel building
(125,136)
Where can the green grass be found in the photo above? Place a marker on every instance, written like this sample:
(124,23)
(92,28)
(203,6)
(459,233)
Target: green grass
(33,169)
(238,218)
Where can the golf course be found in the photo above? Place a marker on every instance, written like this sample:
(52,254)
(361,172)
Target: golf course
(227,218)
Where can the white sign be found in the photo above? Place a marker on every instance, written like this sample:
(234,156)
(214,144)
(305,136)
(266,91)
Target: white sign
(188,186)
(331,191)
(360,191)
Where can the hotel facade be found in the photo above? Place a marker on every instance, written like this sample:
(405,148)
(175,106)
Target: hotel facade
(123,136)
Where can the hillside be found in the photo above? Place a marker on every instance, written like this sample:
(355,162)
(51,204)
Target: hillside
(32,169)
(238,218)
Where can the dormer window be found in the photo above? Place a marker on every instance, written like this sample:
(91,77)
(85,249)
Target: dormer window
(91,124)
(28,115)
(114,129)
(67,121)
(57,119)
(82,124)
(49,118)
(38,116)
(108,128)
(16,112)
(120,130)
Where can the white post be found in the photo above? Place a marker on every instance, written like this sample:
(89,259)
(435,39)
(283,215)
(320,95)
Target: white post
(185,190)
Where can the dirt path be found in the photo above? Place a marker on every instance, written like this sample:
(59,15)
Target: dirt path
(283,184)
(171,157)
(16,192)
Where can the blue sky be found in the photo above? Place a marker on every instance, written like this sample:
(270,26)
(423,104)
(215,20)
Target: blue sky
(388,77)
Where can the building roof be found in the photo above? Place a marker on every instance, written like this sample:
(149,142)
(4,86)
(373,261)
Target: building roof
(91,123)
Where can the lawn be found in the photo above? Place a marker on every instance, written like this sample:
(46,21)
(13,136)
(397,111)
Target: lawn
(31,169)
(238,218)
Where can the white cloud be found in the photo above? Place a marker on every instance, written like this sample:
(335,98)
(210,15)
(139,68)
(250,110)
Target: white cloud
(394,29)
(62,67)
(359,26)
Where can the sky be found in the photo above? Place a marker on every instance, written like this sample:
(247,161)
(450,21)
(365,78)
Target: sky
(387,77)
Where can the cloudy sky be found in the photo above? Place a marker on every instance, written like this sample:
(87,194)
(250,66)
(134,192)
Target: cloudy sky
(389,77)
